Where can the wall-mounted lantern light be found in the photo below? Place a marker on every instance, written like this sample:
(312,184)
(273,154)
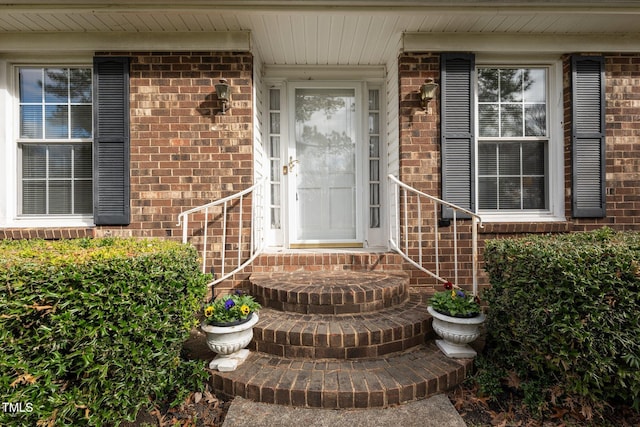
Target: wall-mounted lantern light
(427,92)
(222,92)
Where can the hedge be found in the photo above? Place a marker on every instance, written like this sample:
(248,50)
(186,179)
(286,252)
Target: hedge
(564,313)
(92,329)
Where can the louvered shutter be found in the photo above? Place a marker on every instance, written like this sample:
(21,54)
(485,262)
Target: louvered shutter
(457,128)
(111,141)
(588,136)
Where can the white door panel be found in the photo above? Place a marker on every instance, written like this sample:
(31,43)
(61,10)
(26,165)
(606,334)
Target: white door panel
(324,194)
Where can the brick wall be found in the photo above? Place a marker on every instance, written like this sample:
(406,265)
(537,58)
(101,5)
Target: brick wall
(623,141)
(45,233)
(419,129)
(420,168)
(420,149)
(183,154)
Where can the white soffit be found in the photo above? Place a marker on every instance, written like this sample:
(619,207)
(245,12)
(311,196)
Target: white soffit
(329,32)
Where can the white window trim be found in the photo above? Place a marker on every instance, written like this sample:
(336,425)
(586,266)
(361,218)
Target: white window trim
(9,107)
(376,237)
(274,235)
(556,212)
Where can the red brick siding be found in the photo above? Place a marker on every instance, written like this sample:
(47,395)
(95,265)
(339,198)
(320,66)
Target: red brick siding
(420,168)
(182,156)
(419,130)
(45,233)
(623,144)
(183,153)
(420,150)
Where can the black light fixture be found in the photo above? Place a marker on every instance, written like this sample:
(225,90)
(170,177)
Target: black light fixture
(222,92)
(427,92)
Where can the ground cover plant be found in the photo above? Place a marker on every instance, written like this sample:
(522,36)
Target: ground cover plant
(563,319)
(92,329)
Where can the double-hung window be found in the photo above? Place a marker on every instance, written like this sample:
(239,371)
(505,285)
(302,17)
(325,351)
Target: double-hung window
(502,138)
(513,139)
(55,141)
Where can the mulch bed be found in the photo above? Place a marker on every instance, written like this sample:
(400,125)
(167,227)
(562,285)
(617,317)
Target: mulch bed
(509,411)
(206,410)
(198,410)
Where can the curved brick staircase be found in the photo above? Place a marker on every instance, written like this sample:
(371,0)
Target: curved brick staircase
(340,339)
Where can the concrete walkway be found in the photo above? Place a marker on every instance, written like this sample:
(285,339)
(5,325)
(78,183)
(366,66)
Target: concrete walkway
(436,411)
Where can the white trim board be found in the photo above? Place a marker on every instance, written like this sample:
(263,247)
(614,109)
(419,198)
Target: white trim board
(79,42)
(520,43)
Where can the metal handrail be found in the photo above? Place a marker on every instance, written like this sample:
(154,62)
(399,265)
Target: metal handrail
(399,191)
(256,245)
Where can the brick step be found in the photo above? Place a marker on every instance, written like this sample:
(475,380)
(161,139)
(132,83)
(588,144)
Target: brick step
(329,292)
(332,260)
(393,379)
(351,336)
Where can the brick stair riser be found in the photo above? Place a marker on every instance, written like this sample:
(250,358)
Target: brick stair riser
(343,337)
(337,309)
(334,385)
(312,352)
(329,293)
(340,338)
(328,262)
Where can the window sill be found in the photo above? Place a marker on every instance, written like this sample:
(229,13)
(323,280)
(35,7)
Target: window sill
(525,227)
(49,222)
(540,216)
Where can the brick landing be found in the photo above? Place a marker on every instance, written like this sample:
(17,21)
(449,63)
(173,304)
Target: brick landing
(341,339)
(301,260)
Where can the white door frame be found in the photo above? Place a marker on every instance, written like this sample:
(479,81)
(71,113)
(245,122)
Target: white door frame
(280,78)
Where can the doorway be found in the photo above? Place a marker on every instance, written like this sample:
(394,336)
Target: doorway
(324,153)
(322,165)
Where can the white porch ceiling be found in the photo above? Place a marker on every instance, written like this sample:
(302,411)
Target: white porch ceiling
(314,32)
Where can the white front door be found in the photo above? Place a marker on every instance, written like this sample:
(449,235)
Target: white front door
(323,166)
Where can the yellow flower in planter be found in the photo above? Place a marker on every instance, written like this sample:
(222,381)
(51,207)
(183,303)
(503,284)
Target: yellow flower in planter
(230,308)
(245,309)
(454,302)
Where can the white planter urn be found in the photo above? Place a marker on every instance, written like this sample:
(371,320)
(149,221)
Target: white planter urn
(229,342)
(456,333)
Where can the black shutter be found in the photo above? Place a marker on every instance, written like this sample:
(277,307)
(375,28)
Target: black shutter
(457,71)
(588,136)
(111,141)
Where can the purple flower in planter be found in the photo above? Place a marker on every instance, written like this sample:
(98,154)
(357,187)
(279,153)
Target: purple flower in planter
(460,294)
(228,304)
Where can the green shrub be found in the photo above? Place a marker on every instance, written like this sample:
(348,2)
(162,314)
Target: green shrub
(488,378)
(563,313)
(92,329)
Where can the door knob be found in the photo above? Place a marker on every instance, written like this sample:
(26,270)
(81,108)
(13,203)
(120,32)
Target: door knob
(292,163)
(289,166)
